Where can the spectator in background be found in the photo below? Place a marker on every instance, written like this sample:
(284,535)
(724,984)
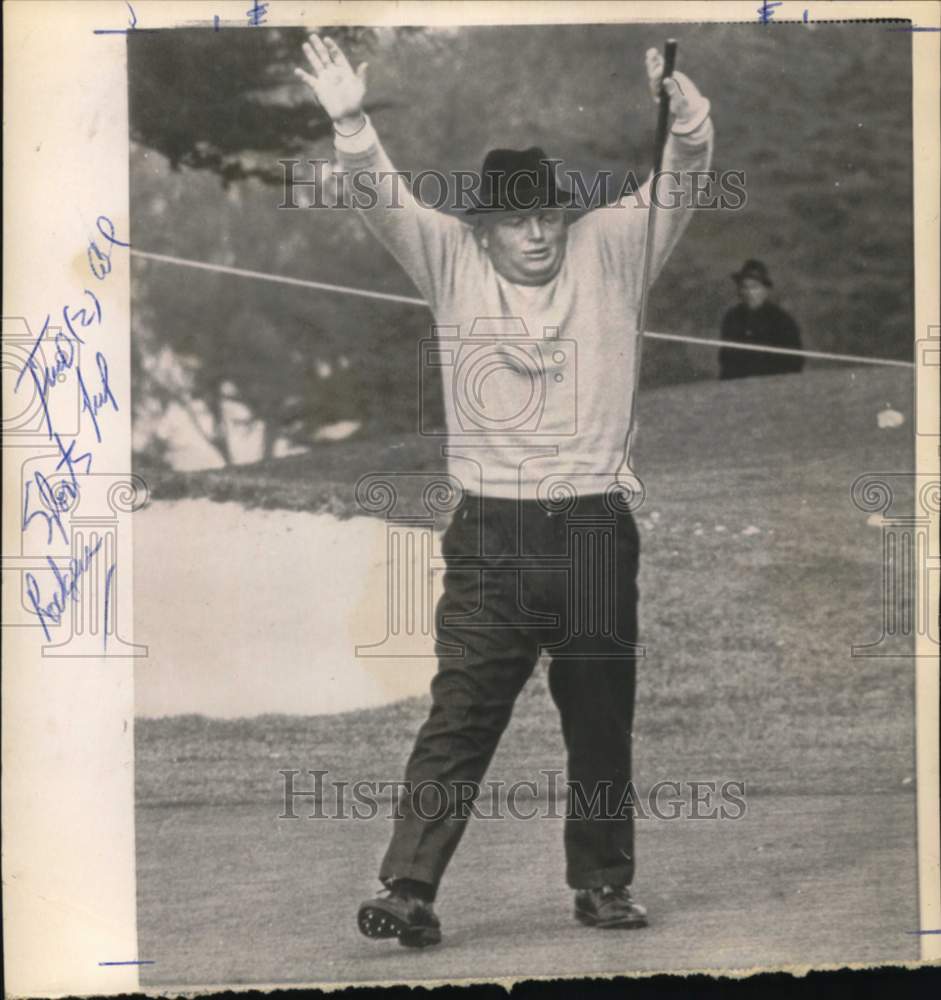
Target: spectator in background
(757,320)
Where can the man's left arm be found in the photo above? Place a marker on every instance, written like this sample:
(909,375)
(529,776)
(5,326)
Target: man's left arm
(688,152)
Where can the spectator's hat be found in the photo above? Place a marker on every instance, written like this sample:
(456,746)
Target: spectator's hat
(514,180)
(753,269)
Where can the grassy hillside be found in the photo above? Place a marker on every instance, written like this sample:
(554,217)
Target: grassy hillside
(708,431)
(748,673)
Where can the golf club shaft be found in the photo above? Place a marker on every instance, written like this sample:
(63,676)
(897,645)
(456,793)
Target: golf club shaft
(663,121)
(663,116)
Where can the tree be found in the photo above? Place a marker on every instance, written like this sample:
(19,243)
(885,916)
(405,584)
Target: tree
(227,101)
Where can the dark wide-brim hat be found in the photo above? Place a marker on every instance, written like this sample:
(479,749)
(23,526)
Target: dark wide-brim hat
(753,269)
(518,180)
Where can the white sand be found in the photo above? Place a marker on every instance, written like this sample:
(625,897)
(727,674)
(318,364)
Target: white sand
(254,611)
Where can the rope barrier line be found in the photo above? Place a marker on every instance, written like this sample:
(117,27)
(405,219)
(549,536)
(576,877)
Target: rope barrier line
(411,300)
(825,355)
(241,272)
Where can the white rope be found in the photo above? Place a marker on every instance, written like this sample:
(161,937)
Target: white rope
(411,300)
(825,355)
(241,272)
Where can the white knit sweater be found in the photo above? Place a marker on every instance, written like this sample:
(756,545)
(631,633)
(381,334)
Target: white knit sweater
(537,379)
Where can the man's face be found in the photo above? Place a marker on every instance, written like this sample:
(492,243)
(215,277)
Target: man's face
(752,292)
(526,247)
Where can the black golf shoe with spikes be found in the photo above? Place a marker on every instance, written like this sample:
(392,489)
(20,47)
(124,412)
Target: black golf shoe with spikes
(396,915)
(609,907)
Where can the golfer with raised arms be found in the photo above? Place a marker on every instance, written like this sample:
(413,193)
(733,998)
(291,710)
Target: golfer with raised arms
(521,257)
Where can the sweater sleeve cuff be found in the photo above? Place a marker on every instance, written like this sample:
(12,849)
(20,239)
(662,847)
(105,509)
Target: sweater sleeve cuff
(690,125)
(360,142)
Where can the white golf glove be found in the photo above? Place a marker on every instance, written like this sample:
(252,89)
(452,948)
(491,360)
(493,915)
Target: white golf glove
(688,107)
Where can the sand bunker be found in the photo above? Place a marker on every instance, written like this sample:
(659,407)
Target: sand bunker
(246,612)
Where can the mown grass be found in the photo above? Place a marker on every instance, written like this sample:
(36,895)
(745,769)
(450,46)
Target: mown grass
(748,673)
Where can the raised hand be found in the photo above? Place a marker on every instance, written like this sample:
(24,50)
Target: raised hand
(687,105)
(338,89)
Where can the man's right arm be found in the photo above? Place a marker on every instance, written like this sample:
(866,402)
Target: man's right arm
(422,240)
(688,154)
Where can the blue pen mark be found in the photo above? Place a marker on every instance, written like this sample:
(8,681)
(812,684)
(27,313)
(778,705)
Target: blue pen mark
(100,260)
(93,402)
(257,13)
(47,377)
(108,578)
(82,315)
(66,584)
(106,228)
(69,462)
(766,10)
(59,498)
(132,961)
(805,16)
(131,24)
(55,499)
(933,931)
(215,22)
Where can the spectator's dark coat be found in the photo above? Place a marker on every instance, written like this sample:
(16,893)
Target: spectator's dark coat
(768,324)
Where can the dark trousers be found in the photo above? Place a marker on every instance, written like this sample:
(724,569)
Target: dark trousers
(519,579)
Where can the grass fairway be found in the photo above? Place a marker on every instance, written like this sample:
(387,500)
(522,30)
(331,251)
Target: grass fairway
(748,676)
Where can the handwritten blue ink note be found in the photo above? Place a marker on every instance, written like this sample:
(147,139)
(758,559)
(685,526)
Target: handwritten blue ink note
(257,13)
(94,401)
(766,10)
(50,492)
(67,584)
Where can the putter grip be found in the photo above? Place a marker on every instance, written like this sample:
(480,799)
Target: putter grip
(669,57)
(663,115)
